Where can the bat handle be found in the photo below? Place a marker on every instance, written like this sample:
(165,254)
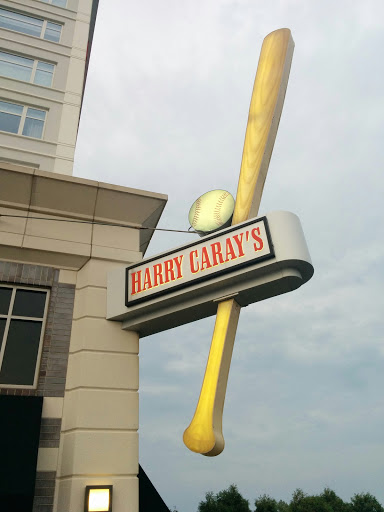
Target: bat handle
(204,434)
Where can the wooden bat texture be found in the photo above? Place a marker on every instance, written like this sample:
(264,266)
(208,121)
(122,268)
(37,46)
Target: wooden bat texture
(204,434)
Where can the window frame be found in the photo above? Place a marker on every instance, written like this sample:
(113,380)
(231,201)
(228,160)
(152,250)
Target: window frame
(23,118)
(33,68)
(43,27)
(9,318)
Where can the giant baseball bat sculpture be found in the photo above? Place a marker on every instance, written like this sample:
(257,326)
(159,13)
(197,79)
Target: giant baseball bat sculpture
(204,434)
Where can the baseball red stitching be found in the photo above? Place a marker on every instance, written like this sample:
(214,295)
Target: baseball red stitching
(219,204)
(197,212)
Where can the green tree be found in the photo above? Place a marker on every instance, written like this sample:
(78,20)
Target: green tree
(301,502)
(365,502)
(282,506)
(336,503)
(229,500)
(265,503)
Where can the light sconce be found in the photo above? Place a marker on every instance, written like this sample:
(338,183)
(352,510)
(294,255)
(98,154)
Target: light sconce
(98,498)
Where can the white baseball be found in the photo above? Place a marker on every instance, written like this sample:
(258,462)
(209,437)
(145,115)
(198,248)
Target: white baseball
(211,211)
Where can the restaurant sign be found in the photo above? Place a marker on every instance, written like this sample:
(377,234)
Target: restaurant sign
(213,256)
(252,261)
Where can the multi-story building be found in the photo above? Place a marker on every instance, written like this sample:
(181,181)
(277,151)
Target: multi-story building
(68,377)
(44,47)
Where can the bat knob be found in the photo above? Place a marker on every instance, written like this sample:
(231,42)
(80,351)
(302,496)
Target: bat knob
(202,438)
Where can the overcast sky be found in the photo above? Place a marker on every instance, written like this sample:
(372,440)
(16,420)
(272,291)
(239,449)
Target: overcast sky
(165,110)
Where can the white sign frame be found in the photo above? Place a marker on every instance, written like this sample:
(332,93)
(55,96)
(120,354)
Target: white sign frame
(287,270)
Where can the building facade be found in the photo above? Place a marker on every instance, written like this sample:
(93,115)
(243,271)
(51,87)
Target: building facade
(68,377)
(44,50)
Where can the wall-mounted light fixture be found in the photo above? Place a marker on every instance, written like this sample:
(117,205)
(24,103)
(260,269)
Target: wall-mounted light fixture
(98,498)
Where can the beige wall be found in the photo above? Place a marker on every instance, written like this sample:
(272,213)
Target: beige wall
(99,429)
(99,441)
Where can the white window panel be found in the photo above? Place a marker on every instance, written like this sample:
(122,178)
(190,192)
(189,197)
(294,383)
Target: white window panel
(29,25)
(22,120)
(23,313)
(23,68)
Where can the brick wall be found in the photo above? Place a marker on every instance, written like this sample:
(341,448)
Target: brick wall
(53,363)
(54,358)
(44,491)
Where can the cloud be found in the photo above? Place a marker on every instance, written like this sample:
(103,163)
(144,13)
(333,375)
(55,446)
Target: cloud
(165,109)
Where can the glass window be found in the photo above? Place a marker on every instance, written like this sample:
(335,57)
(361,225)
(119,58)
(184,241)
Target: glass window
(21,120)
(44,74)
(29,70)
(34,123)
(5,299)
(2,329)
(29,303)
(14,66)
(60,3)
(29,25)
(10,117)
(23,338)
(12,108)
(21,333)
(52,32)
(21,23)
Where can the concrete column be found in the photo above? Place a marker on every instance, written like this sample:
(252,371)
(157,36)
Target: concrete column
(99,438)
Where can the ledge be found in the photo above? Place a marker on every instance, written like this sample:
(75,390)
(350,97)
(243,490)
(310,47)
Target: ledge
(33,192)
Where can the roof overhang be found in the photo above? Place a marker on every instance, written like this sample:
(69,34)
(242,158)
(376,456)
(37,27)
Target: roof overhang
(38,192)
